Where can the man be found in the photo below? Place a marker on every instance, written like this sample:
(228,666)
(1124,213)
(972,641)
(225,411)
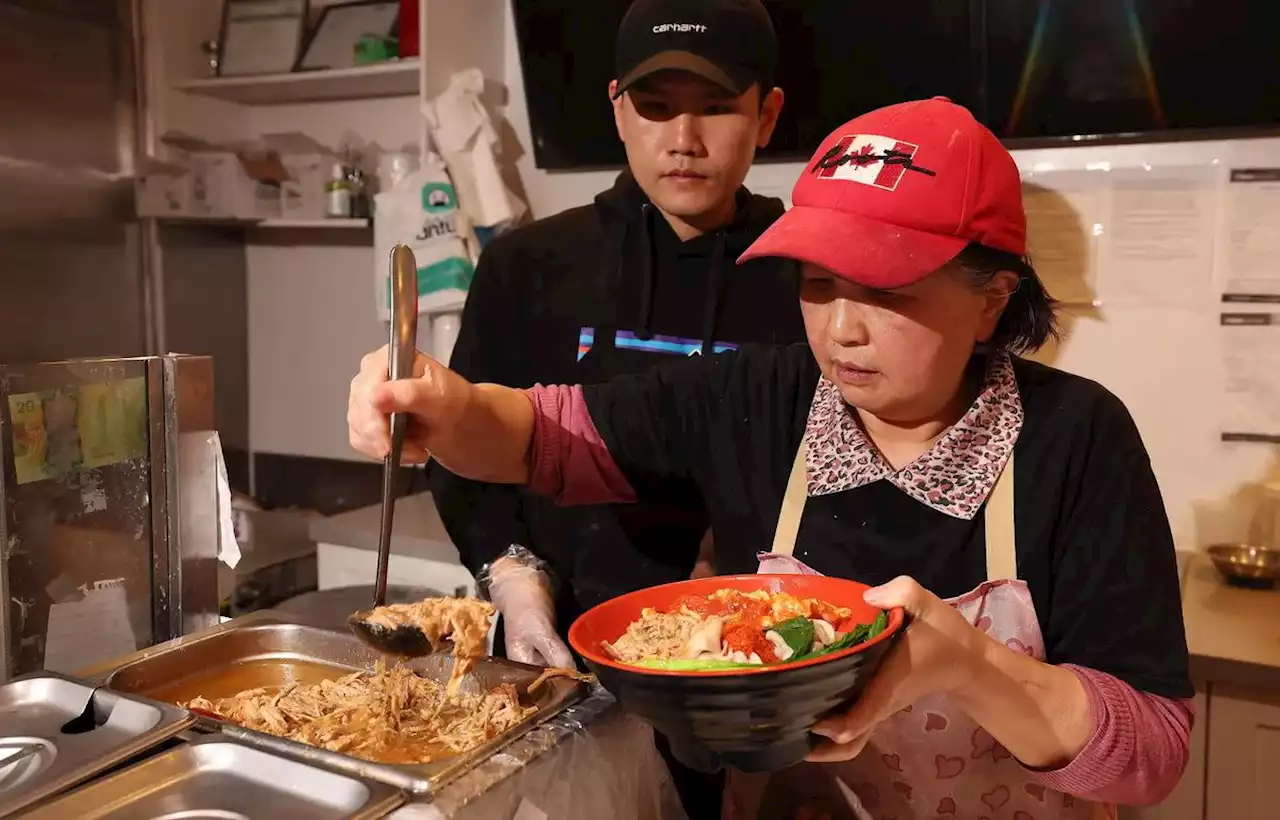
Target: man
(643,274)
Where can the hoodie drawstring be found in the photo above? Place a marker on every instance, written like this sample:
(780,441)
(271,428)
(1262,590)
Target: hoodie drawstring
(649,282)
(646,270)
(714,289)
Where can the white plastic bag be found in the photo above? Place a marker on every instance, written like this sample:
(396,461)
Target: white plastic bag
(422,212)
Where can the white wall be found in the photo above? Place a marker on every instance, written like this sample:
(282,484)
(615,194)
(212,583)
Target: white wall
(311,306)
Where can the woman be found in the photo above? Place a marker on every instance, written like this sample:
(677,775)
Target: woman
(1045,671)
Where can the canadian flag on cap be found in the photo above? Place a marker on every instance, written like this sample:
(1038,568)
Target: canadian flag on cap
(869,159)
(894,194)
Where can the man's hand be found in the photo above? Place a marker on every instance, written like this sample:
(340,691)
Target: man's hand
(523,595)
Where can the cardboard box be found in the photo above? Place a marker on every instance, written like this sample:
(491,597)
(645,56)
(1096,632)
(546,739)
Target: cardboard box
(232,180)
(169,189)
(307,164)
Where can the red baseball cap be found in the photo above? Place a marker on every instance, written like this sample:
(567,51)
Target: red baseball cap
(897,193)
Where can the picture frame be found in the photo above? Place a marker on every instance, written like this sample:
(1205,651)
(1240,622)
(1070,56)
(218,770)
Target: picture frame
(260,36)
(331,43)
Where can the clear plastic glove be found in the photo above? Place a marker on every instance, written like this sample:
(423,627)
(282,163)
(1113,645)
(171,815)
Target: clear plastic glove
(523,596)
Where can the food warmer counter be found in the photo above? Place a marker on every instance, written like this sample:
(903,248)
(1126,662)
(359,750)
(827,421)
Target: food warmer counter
(110,742)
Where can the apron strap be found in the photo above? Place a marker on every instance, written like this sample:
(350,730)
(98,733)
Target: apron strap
(784,536)
(1002,555)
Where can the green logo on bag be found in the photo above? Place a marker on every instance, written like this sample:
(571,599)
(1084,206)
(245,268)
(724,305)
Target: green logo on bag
(438,197)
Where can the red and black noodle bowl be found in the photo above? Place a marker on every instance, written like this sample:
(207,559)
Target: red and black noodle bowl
(736,670)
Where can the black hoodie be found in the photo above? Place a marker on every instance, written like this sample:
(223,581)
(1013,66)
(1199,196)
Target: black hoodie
(583,296)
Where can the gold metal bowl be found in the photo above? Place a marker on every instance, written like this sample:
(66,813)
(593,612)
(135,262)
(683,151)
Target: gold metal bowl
(1246,565)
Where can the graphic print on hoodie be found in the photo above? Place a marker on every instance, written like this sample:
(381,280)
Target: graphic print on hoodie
(583,296)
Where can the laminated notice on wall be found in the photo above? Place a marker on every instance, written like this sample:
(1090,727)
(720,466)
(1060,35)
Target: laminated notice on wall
(1251,258)
(1251,365)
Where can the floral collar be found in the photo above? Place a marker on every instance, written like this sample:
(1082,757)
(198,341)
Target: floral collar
(954,477)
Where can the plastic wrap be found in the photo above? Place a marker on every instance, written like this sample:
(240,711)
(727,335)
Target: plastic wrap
(518,555)
(591,761)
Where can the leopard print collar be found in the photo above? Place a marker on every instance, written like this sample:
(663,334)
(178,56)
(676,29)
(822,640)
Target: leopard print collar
(954,477)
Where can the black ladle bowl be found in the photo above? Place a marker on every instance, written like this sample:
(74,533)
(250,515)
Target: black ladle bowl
(405,640)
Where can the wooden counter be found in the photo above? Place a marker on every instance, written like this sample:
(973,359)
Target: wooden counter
(1233,634)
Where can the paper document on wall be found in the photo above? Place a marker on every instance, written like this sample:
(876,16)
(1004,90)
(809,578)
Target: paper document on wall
(1251,258)
(1064,221)
(1158,242)
(1251,364)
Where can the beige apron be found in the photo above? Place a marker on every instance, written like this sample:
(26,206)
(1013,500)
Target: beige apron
(930,760)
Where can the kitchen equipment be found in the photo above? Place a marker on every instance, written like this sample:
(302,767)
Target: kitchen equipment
(1264,527)
(402,348)
(56,732)
(103,553)
(753,719)
(213,777)
(226,661)
(1246,565)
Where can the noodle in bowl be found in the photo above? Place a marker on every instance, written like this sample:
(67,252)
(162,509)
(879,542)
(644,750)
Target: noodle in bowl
(753,716)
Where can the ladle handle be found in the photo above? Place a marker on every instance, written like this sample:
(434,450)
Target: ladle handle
(402,349)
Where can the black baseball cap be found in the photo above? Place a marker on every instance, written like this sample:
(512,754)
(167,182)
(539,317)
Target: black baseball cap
(729,42)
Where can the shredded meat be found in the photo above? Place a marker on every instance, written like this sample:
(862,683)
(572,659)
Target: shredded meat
(388,715)
(559,672)
(464,621)
(656,634)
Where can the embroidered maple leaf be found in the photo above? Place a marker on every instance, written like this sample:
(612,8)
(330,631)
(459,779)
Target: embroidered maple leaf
(865,156)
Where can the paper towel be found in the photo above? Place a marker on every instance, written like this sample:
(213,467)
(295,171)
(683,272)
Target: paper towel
(228,547)
(466,138)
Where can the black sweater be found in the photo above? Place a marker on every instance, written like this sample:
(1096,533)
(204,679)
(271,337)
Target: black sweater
(1093,539)
(588,294)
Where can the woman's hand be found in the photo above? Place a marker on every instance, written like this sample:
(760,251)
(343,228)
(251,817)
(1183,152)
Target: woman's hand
(940,652)
(434,398)
(477,431)
(1039,712)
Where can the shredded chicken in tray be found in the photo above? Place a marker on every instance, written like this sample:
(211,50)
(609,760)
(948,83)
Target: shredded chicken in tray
(386,716)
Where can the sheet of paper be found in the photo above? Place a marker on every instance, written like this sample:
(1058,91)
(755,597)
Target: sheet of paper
(1064,220)
(1251,258)
(1251,362)
(89,631)
(228,547)
(528,811)
(1158,240)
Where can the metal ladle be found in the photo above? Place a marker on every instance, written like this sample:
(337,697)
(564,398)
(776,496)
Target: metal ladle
(402,640)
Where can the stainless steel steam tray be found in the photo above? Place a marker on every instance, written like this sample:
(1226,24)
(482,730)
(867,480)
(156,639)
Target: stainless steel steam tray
(227,661)
(218,778)
(56,732)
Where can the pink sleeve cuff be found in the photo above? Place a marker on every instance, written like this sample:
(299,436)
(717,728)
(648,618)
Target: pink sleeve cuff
(1138,750)
(569,460)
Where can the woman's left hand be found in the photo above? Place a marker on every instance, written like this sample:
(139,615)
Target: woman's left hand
(939,652)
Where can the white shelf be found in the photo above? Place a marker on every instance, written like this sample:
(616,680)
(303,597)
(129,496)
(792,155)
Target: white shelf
(283,224)
(394,78)
(321,224)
